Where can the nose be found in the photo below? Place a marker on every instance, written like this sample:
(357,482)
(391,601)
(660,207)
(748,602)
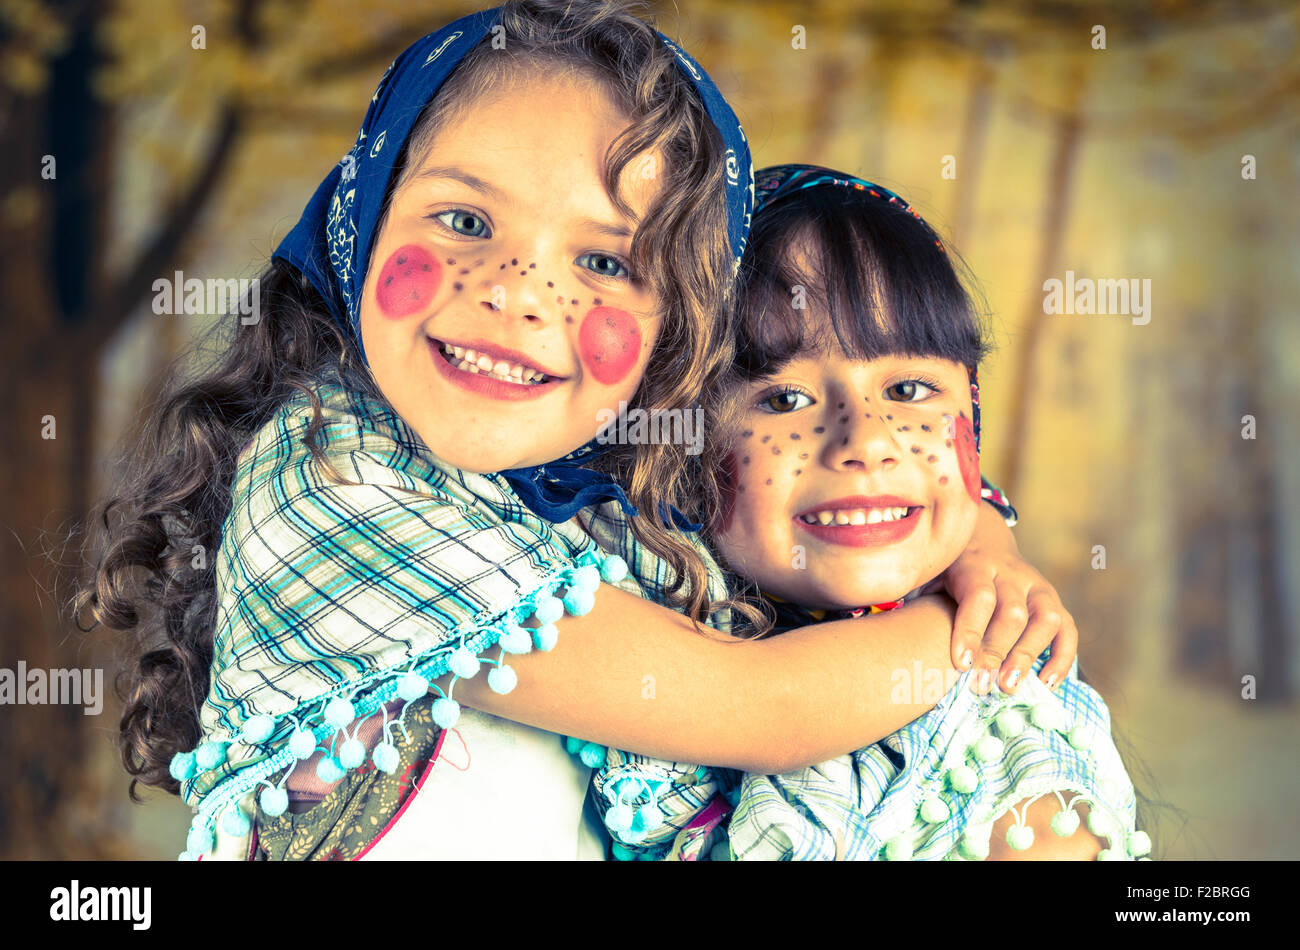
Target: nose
(859,437)
(518,291)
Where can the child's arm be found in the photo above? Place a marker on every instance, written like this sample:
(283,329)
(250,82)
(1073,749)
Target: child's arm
(997,590)
(637,676)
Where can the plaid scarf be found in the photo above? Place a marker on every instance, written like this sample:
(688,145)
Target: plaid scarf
(331,595)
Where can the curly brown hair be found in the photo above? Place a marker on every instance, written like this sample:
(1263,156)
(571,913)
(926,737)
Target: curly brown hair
(178,465)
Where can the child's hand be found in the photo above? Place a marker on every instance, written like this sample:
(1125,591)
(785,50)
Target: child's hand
(1005,603)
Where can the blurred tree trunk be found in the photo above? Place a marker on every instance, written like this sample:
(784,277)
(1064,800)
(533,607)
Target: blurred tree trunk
(974,134)
(1261,642)
(1066,135)
(44,489)
(60,311)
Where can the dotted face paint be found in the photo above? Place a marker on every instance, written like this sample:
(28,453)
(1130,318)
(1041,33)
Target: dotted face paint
(609,342)
(408,281)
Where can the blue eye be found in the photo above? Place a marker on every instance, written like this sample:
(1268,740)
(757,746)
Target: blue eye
(604,265)
(787,400)
(907,390)
(464,222)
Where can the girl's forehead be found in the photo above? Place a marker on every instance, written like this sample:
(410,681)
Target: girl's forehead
(546,139)
(827,355)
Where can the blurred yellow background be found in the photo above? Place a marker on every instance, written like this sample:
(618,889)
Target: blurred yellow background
(1163,147)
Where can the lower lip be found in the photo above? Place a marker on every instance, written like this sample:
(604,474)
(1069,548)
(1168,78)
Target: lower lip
(864,535)
(484,384)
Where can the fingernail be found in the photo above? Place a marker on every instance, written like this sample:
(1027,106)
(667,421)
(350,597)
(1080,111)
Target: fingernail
(1013,679)
(966,660)
(1051,681)
(982,681)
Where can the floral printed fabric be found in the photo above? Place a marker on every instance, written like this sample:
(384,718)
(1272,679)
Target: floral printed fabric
(355,812)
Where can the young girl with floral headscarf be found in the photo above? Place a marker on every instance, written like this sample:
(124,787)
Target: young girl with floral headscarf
(851,482)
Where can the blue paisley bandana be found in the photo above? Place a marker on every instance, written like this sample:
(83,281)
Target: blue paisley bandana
(331,243)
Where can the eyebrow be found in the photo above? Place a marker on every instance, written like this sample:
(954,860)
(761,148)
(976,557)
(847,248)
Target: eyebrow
(605,228)
(478,184)
(462,176)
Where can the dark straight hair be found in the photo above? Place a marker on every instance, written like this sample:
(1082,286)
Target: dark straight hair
(877,270)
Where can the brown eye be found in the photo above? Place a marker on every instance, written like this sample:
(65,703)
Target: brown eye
(909,390)
(785,401)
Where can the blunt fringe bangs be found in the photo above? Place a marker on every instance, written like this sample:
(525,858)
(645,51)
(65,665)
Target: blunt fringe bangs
(875,269)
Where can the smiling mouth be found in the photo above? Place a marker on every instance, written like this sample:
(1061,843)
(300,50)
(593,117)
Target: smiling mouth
(470,361)
(856,516)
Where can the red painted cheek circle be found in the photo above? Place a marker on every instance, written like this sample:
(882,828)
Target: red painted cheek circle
(968,460)
(409,280)
(609,343)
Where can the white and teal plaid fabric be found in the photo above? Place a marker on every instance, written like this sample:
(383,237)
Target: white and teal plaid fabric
(866,806)
(330,590)
(853,807)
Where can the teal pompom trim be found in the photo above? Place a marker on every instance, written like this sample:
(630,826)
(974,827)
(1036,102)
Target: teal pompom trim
(257,730)
(183,766)
(630,820)
(592,755)
(325,719)
(235,823)
(352,753)
(274,801)
(613,569)
(446,713)
(945,793)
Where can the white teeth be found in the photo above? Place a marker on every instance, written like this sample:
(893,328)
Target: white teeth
(856,516)
(470,361)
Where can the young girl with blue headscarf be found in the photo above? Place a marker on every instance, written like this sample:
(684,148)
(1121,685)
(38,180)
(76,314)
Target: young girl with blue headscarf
(396,470)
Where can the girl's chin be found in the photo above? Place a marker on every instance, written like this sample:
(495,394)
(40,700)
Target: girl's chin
(489,457)
(867,602)
(477,463)
(852,599)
